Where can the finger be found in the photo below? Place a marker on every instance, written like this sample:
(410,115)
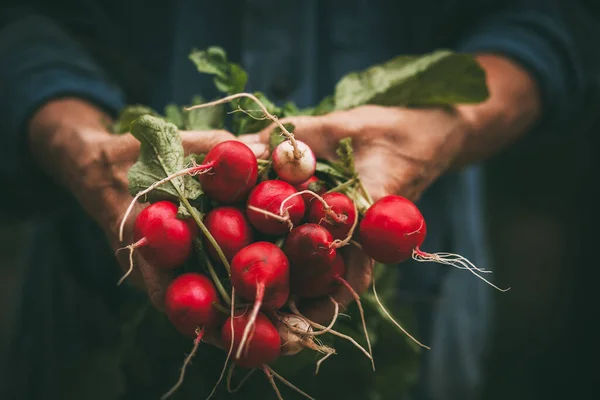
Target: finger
(199,142)
(156,282)
(319,133)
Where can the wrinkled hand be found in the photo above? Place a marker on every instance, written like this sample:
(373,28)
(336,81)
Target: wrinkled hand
(69,140)
(397,151)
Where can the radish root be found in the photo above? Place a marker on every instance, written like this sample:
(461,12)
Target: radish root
(286,382)
(193,170)
(188,359)
(273,384)
(321,360)
(142,242)
(260,293)
(295,311)
(453,260)
(214,389)
(385,311)
(279,218)
(361,311)
(284,131)
(326,207)
(337,243)
(239,385)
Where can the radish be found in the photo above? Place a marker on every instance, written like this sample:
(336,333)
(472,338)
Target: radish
(265,210)
(260,273)
(339,219)
(310,246)
(392,231)
(294,164)
(262,348)
(313,184)
(311,282)
(297,334)
(162,239)
(234,172)
(189,305)
(231,230)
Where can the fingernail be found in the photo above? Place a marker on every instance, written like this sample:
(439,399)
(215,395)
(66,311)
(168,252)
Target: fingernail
(259,149)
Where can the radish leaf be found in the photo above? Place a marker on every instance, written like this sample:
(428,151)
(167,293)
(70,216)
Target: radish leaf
(439,78)
(129,114)
(204,119)
(229,78)
(161,155)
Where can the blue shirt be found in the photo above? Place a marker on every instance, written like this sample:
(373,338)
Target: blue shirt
(113,53)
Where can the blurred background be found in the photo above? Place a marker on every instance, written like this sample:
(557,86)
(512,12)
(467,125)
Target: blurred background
(540,201)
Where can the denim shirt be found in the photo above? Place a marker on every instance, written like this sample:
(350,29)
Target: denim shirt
(113,54)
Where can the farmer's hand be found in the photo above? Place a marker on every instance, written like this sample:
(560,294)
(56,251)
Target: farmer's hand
(397,151)
(69,140)
(402,151)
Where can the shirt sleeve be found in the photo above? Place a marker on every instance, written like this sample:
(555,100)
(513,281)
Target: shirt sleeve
(538,36)
(40,62)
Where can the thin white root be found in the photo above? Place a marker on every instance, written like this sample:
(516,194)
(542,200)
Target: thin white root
(142,242)
(295,311)
(279,218)
(239,385)
(453,260)
(188,359)
(393,320)
(260,292)
(193,170)
(273,384)
(270,116)
(326,207)
(337,243)
(214,389)
(321,360)
(327,329)
(287,383)
(361,312)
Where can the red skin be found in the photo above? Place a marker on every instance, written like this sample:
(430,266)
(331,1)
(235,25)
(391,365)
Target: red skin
(308,246)
(268,196)
(312,286)
(313,184)
(341,205)
(261,262)
(264,344)
(166,241)
(233,174)
(188,303)
(391,229)
(230,228)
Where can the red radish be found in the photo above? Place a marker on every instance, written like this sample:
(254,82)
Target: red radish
(264,345)
(231,230)
(339,220)
(314,185)
(164,240)
(189,303)
(308,284)
(260,273)
(310,245)
(265,211)
(234,172)
(294,164)
(392,231)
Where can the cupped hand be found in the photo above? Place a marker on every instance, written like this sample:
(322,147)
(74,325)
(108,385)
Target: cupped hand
(397,151)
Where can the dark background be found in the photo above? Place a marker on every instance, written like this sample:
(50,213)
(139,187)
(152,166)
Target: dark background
(541,210)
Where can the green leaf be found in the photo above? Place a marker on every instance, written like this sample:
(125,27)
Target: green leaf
(326,106)
(276,138)
(439,78)
(204,119)
(161,155)
(129,114)
(328,169)
(346,157)
(249,118)
(174,115)
(229,78)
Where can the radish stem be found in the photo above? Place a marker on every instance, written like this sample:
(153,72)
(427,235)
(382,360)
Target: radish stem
(213,274)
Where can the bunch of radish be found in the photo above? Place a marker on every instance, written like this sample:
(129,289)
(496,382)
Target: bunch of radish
(267,241)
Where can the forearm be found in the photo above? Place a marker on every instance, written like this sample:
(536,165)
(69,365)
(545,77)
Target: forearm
(511,110)
(64,139)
